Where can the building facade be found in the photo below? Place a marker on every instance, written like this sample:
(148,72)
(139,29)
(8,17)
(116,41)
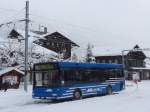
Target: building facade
(133,60)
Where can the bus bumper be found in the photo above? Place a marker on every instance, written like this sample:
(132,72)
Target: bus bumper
(44,93)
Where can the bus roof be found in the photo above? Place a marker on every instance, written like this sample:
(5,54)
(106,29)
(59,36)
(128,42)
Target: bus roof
(85,65)
(89,65)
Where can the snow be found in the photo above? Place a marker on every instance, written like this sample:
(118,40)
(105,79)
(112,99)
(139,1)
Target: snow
(5,70)
(141,68)
(32,37)
(12,50)
(132,99)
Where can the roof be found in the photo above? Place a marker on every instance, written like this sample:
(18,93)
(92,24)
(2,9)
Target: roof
(19,34)
(59,35)
(57,38)
(14,34)
(6,70)
(86,65)
(111,51)
(107,51)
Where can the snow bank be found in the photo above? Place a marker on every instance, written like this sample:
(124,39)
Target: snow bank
(132,99)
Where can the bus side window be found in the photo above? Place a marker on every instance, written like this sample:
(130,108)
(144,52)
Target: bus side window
(69,76)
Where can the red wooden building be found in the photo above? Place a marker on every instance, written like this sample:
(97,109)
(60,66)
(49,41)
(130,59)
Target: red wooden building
(12,76)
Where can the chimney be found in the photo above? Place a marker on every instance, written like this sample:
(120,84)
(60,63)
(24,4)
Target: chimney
(45,30)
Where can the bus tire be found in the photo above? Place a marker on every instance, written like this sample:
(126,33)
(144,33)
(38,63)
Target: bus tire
(109,90)
(77,94)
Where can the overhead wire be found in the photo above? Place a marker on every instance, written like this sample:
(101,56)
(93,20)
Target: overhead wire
(8,10)
(65,23)
(56,24)
(14,16)
(65,27)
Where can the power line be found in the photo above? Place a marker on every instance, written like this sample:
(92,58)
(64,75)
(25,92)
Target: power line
(11,22)
(64,22)
(14,16)
(19,12)
(14,22)
(67,31)
(8,10)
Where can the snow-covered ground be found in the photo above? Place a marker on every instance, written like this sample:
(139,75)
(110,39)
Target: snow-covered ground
(132,99)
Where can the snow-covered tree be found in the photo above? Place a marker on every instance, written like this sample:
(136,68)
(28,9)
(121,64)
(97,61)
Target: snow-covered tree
(12,54)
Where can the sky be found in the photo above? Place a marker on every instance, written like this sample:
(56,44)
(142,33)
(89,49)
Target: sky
(109,24)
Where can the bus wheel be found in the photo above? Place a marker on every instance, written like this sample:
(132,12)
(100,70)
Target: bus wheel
(77,94)
(109,90)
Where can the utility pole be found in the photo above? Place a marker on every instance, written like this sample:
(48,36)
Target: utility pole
(26,44)
(124,66)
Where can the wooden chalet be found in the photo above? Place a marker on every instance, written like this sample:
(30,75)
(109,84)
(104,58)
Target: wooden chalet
(15,35)
(134,62)
(57,43)
(12,76)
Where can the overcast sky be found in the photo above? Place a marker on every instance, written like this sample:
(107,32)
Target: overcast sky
(103,23)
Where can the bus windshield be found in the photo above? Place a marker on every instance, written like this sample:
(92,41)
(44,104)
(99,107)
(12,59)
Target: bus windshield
(46,78)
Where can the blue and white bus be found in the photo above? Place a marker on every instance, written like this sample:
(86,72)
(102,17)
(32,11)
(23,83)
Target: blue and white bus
(69,80)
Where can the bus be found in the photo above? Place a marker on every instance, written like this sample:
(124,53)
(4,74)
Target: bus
(72,80)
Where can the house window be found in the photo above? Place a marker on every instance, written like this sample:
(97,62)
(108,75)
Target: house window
(57,45)
(103,61)
(98,61)
(116,61)
(132,63)
(140,63)
(10,79)
(47,43)
(52,43)
(110,61)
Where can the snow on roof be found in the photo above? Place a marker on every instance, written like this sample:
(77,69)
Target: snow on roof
(112,50)
(61,34)
(32,37)
(107,51)
(67,33)
(5,70)
(140,68)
